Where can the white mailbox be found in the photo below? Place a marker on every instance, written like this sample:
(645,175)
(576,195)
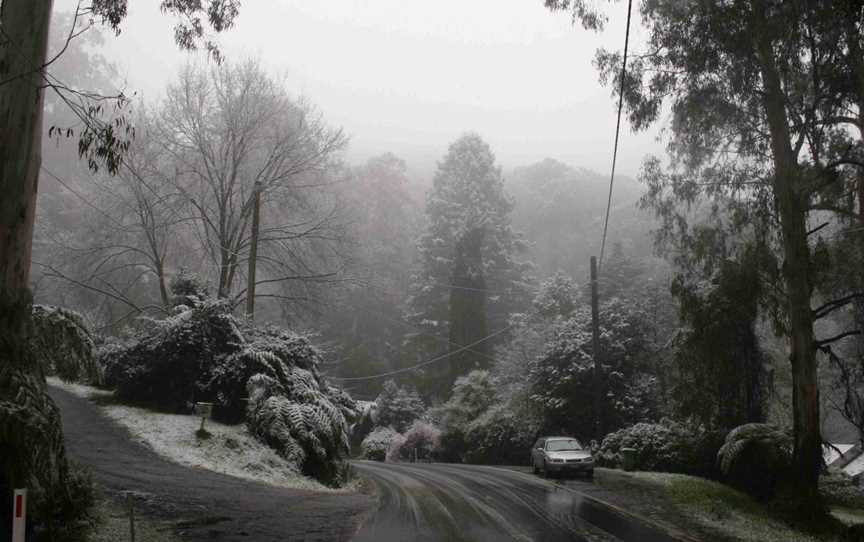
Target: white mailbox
(205,410)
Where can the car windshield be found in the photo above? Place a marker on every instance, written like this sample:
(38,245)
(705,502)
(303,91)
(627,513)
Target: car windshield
(563,445)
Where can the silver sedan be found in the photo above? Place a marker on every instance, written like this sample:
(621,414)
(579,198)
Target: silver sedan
(562,455)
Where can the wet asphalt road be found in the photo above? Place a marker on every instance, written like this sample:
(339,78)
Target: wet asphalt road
(416,502)
(446,502)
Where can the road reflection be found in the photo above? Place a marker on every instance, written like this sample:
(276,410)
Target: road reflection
(472,503)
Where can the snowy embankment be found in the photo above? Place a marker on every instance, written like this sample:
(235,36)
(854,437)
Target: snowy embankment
(230,449)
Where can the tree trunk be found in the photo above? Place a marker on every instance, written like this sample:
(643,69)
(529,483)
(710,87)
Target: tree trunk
(31,438)
(790,195)
(25,26)
(163,288)
(467,308)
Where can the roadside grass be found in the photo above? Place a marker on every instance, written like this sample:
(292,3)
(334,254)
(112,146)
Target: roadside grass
(714,507)
(843,497)
(229,449)
(112,525)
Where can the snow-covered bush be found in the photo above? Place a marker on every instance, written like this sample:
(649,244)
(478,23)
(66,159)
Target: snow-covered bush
(63,345)
(377,443)
(501,436)
(167,366)
(32,455)
(562,381)
(204,353)
(364,424)
(755,458)
(398,407)
(108,350)
(423,437)
(188,289)
(472,395)
(394,451)
(668,446)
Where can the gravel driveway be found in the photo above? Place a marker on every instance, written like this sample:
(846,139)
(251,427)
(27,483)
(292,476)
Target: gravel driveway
(203,504)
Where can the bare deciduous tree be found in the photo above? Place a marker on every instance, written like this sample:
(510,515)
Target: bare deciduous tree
(232,130)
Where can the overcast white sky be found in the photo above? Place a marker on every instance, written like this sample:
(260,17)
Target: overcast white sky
(409,76)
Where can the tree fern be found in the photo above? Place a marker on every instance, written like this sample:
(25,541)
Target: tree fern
(748,435)
(754,458)
(303,425)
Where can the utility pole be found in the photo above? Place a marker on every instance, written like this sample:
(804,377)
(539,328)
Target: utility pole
(253,253)
(595,352)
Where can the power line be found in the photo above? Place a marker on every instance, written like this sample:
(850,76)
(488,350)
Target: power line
(422,364)
(617,132)
(82,198)
(423,332)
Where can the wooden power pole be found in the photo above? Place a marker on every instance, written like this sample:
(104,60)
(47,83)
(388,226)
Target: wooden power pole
(253,254)
(595,352)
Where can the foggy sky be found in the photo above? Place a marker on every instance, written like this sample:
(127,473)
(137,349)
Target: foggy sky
(409,76)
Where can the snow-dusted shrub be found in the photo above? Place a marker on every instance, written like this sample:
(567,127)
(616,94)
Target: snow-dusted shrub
(63,345)
(364,424)
(108,350)
(668,446)
(188,290)
(562,381)
(472,395)
(295,416)
(394,451)
(423,437)
(755,458)
(32,455)
(169,363)
(501,436)
(268,375)
(377,443)
(398,407)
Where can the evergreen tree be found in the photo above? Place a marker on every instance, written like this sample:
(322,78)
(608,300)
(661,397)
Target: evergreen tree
(470,278)
(398,407)
(720,376)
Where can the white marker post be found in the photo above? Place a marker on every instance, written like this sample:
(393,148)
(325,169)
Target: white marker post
(19,515)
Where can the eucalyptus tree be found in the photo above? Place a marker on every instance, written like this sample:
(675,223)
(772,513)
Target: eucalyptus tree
(32,445)
(756,112)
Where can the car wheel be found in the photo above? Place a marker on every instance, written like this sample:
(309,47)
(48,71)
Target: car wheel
(590,474)
(534,467)
(545,470)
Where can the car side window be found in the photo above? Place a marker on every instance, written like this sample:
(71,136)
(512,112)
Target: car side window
(540,443)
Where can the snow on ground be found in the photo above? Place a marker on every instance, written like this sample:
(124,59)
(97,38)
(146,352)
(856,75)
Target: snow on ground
(856,467)
(230,449)
(831,454)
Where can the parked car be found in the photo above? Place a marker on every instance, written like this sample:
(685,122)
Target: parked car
(561,455)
